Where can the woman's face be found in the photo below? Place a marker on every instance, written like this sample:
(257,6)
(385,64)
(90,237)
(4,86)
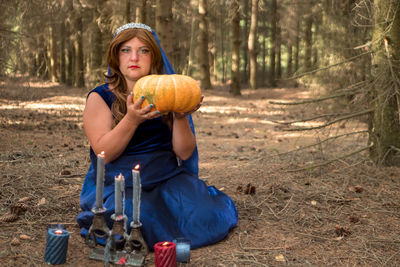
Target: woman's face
(134,60)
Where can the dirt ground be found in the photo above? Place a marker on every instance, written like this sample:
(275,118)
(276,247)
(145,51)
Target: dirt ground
(346,213)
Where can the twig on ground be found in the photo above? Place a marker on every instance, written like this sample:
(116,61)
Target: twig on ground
(287,204)
(315,236)
(270,248)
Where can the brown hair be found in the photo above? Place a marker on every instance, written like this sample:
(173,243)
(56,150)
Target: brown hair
(115,77)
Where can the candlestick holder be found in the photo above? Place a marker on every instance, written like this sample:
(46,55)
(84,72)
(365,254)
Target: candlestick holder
(98,229)
(135,243)
(132,249)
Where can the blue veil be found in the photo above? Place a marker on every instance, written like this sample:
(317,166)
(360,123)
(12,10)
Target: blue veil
(190,164)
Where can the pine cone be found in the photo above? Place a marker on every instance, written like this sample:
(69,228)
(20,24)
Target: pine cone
(10,217)
(18,208)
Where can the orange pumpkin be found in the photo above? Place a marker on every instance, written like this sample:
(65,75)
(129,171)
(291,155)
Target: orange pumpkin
(168,92)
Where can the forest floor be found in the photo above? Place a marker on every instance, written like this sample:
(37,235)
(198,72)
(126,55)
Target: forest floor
(346,213)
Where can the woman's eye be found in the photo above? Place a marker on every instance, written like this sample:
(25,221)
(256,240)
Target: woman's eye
(125,50)
(143,51)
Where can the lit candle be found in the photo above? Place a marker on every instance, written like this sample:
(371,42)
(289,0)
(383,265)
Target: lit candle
(137,188)
(182,250)
(56,244)
(119,188)
(100,180)
(165,254)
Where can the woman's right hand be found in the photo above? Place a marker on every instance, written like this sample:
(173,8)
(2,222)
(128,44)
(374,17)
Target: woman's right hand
(136,114)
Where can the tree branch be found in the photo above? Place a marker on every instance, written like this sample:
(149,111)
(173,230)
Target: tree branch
(323,141)
(328,67)
(360,113)
(330,161)
(353,90)
(308,119)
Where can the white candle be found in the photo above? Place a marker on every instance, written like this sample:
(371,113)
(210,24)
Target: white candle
(100,180)
(137,188)
(119,188)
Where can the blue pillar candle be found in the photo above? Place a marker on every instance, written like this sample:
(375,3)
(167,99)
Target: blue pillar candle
(182,250)
(56,245)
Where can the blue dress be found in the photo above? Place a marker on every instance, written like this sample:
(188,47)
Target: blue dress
(174,201)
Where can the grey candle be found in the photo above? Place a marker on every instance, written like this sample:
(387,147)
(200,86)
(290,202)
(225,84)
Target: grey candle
(137,188)
(100,180)
(119,187)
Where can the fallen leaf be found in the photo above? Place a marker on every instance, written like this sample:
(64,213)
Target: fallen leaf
(313,202)
(42,201)
(25,237)
(356,189)
(280,258)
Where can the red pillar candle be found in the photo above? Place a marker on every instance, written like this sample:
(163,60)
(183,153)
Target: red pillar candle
(165,254)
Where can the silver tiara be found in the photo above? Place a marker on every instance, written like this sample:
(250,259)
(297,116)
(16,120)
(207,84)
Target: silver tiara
(133,26)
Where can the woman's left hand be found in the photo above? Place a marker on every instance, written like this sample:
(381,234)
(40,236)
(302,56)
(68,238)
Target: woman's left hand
(180,115)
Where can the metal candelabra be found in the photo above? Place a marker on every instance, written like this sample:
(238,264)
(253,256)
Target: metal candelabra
(120,247)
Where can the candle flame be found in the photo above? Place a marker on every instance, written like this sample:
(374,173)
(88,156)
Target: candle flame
(120,177)
(102,153)
(137,167)
(58,232)
(165,244)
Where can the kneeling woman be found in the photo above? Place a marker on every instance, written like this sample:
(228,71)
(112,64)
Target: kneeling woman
(175,202)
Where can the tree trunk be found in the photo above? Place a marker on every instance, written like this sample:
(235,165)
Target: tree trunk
(245,48)
(79,64)
(205,81)
(41,57)
(193,38)
(278,48)
(222,47)
(289,69)
(97,52)
(274,15)
(308,41)
(264,48)
(127,11)
(253,44)
(235,84)
(141,12)
(53,53)
(297,45)
(63,69)
(385,125)
(164,27)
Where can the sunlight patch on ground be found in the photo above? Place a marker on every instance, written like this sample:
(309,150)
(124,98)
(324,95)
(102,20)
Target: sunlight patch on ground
(42,84)
(240,120)
(52,103)
(36,106)
(225,110)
